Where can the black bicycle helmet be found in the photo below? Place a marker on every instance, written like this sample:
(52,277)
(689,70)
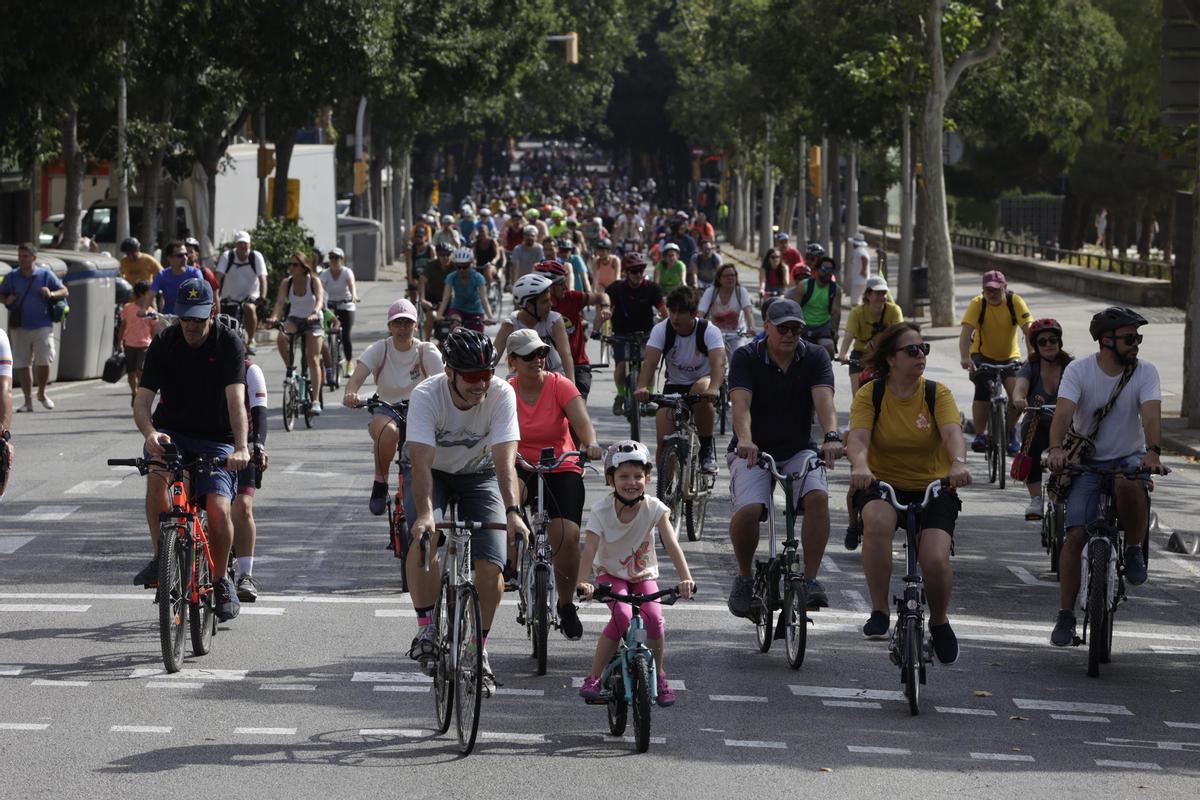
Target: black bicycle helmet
(814,250)
(1112,318)
(124,291)
(468,351)
(130,244)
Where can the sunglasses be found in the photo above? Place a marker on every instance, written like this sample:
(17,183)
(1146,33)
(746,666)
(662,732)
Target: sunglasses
(536,355)
(1048,340)
(637,271)
(915,350)
(478,376)
(1129,339)
(297,264)
(180,255)
(789,330)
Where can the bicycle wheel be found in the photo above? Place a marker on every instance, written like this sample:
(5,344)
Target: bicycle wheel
(618,708)
(763,628)
(694,512)
(541,614)
(671,458)
(910,664)
(291,404)
(633,409)
(173,581)
(999,437)
(1056,534)
(307,407)
(639,674)
(1098,623)
(723,404)
(202,617)
(468,672)
(794,618)
(398,531)
(443,673)
(495,298)
(335,357)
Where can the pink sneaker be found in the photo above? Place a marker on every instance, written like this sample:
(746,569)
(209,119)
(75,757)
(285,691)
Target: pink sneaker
(591,688)
(666,695)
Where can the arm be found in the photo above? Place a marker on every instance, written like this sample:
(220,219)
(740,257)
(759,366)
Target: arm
(827,417)
(1021,394)
(141,418)
(581,423)
(351,399)
(670,543)
(716,366)
(6,406)
(746,448)
(1152,427)
(235,401)
(487,307)
(956,446)
(748,315)
(421,456)
(504,455)
(847,340)
(563,345)
(1025,338)
(964,348)
(646,375)
(590,546)
(280,295)
(447,293)
(502,339)
(857,443)
(352,285)
(318,290)
(1064,411)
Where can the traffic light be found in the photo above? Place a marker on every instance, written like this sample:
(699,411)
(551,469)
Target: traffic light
(266,161)
(572,39)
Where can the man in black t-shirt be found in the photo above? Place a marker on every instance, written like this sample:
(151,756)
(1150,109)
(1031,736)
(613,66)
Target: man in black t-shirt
(637,304)
(199,369)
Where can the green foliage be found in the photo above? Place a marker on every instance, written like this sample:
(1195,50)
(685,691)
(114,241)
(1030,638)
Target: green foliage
(278,239)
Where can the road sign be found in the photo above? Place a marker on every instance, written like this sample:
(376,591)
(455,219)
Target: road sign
(952,148)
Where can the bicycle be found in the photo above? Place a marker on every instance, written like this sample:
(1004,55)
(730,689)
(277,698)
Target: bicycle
(779,581)
(399,536)
(537,598)
(495,296)
(296,400)
(1102,576)
(458,635)
(1053,528)
(907,646)
(733,340)
(682,485)
(631,679)
(635,352)
(185,562)
(333,339)
(997,440)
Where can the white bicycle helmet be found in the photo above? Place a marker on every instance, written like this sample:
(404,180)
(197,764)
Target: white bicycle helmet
(462,255)
(624,452)
(529,287)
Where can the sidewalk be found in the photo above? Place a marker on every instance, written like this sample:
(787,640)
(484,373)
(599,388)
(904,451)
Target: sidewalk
(1163,345)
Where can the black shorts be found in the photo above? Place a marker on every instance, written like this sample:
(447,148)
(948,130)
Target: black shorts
(245,480)
(564,494)
(941,513)
(857,355)
(583,379)
(982,394)
(135,358)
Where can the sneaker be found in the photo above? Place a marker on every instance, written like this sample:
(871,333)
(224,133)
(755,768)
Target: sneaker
(877,626)
(618,406)
(1014,443)
(247,589)
(47,403)
(590,690)
(816,594)
(227,604)
(423,647)
(510,578)
(666,695)
(1135,565)
(708,460)
(945,643)
(378,502)
(489,677)
(1033,511)
(568,622)
(316,408)
(740,595)
(980,443)
(853,537)
(1064,629)
(148,576)
(251,350)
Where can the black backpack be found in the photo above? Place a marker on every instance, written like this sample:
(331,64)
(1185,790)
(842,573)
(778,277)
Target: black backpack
(810,288)
(701,346)
(878,388)
(230,263)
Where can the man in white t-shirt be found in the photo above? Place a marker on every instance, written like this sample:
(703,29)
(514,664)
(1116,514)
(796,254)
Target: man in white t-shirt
(243,276)
(1128,438)
(462,440)
(695,358)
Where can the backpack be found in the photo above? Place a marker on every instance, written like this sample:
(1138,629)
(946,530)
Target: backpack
(1012,312)
(878,388)
(701,346)
(810,288)
(230,263)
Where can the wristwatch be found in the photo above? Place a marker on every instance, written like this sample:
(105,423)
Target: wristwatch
(513,510)
(833,436)
(1154,448)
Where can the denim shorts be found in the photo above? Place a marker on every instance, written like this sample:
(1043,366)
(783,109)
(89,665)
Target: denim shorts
(478,501)
(1083,501)
(218,481)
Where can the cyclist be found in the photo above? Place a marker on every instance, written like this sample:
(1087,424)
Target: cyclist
(6,404)
(620,546)
(636,305)
(680,236)
(136,265)
(1037,384)
(695,364)
(773,275)
(775,384)
(487,252)
(577,275)
(462,441)
(514,230)
(341,296)
(875,314)
(728,306)
(628,231)
(918,442)
(165,284)
(466,291)
(419,255)
(432,285)
(304,318)
(570,304)
(525,255)
(535,219)
(790,255)
(818,297)
(549,407)
(245,529)
(447,234)
(199,367)
(605,266)
(702,271)
(989,336)
(859,267)
(1129,437)
(397,364)
(242,272)
(813,253)
(670,273)
(531,298)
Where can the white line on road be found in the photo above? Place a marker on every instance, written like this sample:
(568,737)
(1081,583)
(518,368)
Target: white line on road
(629,739)
(43,682)
(881,751)
(736,698)
(174,685)
(400,687)
(1078,718)
(1001,757)
(857,601)
(264,731)
(48,513)
(851,704)
(262,611)
(846,693)
(523,738)
(139,729)
(1190,725)
(1055,705)
(829,565)
(395,612)
(1149,744)
(11,544)
(24,726)
(389,677)
(10,670)
(755,743)
(407,733)
(93,487)
(1027,578)
(976,712)
(294,469)
(44,607)
(191,674)
(1105,762)
(288,687)
(521,692)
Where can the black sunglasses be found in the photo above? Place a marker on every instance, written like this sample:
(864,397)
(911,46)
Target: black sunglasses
(915,350)
(1129,339)
(540,353)
(1047,340)
(789,330)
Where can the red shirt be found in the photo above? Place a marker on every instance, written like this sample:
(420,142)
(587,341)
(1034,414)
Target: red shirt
(571,307)
(544,424)
(513,236)
(792,257)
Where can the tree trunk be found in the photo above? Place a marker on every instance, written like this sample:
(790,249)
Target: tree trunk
(1191,331)
(151,183)
(904,276)
(170,221)
(389,218)
(824,212)
(788,212)
(836,228)
(120,173)
(73,162)
(802,196)
(852,191)
(285,143)
(767,220)
(939,251)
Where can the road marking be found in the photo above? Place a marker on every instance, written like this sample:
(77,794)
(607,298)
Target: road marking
(850,704)
(24,726)
(389,677)
(1175,651)
(881,751)
(755,743)
(976,712)
(42,607)
(264,731)
(400,687)
(173,685)
(408,733)
(1087,708)
(289,687)
(139,729)
(594,617)
(395,612)
(829,565)
(1105,762)
(1028,578)
(1001,757)
(1078,718)
(10,670)
(1190,725)
(736,698)
(93,487)
(1149,744)
(498,736)
(848,694)
(43,682)
(857,601)
(294,469)
(629,739)
(262,611)
(191,674)
(678,686)
(500,690)
(48,513)
(11,544)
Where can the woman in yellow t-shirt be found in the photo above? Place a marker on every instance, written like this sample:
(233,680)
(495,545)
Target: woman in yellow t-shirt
(867,320)
(915,446)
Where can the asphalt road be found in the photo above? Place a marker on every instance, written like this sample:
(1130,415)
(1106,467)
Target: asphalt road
(308,693)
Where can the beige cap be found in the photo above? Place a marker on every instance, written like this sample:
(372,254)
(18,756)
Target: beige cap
(524,342)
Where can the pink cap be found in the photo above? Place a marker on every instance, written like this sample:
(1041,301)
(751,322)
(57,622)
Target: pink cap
(994,280)
(402,309)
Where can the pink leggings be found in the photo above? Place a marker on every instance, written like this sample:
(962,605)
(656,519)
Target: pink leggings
(622,613)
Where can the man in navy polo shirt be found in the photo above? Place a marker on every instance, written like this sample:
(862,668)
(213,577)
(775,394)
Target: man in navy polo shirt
(775,384)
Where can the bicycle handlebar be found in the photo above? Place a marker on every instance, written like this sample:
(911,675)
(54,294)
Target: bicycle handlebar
(666,597)
(1131,474)
(1000,369)
(145,464)
(931,491)
(767,462)
(468,525)
(675,400)
(550,466)
(399,410)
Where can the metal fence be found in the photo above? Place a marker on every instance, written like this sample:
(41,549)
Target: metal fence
(1078,258)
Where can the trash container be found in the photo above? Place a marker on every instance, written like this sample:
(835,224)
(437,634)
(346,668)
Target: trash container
(362,240)
(8,262)
(87,333)
(920,284)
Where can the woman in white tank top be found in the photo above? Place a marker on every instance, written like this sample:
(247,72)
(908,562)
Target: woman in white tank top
(306,303)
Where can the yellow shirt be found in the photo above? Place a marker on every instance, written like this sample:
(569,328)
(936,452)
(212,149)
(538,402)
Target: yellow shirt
(862,323)
(142,268)
(906,446)
(999,333)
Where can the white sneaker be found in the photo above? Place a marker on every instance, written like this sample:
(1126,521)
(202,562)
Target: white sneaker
(316,409)
(47,403)
(1033,511)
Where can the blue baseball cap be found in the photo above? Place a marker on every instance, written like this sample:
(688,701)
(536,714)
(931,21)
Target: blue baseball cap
(194,299)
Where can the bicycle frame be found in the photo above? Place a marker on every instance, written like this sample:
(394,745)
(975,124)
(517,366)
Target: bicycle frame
(911,603)
(1106,527)
(633,642)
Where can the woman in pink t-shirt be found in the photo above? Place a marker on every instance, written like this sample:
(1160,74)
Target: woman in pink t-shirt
(548,407)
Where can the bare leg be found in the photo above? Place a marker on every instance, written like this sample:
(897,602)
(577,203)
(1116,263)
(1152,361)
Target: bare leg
(936,572)
(814,531)
(744,534)
(879,526)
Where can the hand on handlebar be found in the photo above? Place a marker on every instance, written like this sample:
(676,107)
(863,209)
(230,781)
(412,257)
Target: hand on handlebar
(748,451)
(831,452)
(959,475)
(585,591)
(641,395)
(686,589)
(517,529)
(967,364)
(861,478)
(1056,459)
(238,459)
(155,442)
(1152,464)
(595,452)
(1020,403)
(351,399)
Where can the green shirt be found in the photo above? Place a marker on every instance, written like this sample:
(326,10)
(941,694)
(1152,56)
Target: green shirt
(816,310)
(670,278)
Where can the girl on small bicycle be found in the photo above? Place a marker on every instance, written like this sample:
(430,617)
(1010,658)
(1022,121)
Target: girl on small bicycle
(620,543)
